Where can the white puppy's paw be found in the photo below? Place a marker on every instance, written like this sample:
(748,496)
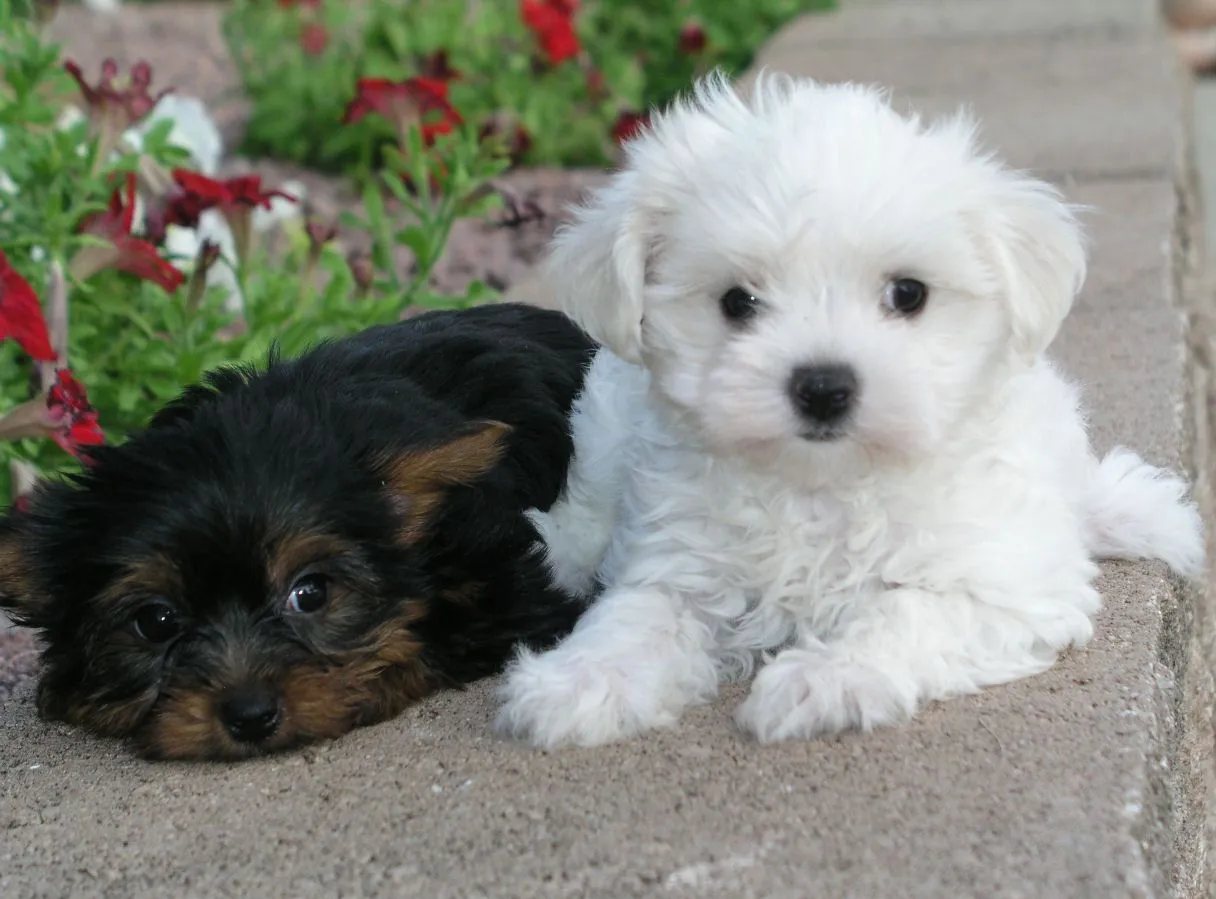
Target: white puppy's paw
(565,698)
(803,694)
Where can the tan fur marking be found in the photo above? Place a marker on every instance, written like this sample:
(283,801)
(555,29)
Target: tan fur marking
(155,576)
(290,555)
(16,585)
(370,685)
(420,477)
(188,727)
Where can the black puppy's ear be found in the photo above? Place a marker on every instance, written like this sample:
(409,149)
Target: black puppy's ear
(417,479)
(18,597)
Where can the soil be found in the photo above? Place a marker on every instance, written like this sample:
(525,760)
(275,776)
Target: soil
(183,43)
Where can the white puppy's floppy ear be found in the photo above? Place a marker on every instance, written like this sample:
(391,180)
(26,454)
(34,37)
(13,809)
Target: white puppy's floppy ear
(1040,255)
(600,261)
(598,265)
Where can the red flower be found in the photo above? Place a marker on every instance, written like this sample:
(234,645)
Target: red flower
(405,103)
(74,419)
(515,144)
(552,22)
(236,198)
(126,253)
(314,38)
(437,68)
(244,190)
(197,193)
(108,104)
(692,39)
(628,125)
(21,316)
(119,216)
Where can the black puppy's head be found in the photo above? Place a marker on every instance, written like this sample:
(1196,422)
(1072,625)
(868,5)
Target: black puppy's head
(243,576)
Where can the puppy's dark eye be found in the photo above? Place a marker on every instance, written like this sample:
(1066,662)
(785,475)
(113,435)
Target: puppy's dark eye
(308,594)
(157,622)
(738,305)
(907,296)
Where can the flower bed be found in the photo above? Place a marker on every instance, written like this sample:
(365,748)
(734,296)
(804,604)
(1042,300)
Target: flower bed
(129,265)
(560,81)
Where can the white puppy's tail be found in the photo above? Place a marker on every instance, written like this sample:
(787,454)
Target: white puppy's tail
(1139,511)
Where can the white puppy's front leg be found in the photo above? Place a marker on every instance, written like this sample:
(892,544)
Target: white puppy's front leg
(576,535)
(900,649)
(635,661)
(578,529)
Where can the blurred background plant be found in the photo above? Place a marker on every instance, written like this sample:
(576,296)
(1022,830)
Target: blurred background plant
(561,81)
(114,290)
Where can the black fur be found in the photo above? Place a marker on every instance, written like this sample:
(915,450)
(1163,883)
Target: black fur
(247,462)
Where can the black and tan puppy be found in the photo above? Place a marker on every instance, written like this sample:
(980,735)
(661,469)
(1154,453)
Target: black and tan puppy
(284,555)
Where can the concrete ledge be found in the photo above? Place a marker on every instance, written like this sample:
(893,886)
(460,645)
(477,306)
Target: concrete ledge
(1089,781)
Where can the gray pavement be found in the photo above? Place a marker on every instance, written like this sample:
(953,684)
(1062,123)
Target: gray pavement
(1089,781)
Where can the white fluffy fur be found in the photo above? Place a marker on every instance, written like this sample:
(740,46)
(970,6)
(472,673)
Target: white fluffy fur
(945,542)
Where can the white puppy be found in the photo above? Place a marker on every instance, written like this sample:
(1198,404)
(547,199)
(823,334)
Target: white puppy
(828,430)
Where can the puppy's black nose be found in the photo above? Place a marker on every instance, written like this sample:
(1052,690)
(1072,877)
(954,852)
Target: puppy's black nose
(823,393)
(251,714)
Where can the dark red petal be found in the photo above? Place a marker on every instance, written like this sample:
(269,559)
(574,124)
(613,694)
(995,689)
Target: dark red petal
(628,124)
(437,66)
(90,95)
(314,39)
(87,431)
(692,39)
(140,258)
(141,74)
(21,317)
(356,110)
(552,22)
(67,395)
(204,189)
(77,420)
(371,95)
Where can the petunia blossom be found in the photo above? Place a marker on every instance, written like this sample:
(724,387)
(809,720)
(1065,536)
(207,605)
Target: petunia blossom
(73,418)
(21,316)
(314,38)
(628,125)
(552,23)
(122,250)
(112,108)
(415,101)
(235,198)
(692,38)
(63,414)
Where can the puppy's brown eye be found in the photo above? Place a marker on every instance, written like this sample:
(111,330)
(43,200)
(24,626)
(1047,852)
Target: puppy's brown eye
(308,594)
(157,622)
(738,305)
(907,296)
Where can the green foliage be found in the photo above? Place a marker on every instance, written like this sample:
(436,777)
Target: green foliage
(134,345)
(631,60)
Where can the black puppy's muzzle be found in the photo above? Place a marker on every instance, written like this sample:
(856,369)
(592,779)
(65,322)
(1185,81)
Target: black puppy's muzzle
(251,713)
